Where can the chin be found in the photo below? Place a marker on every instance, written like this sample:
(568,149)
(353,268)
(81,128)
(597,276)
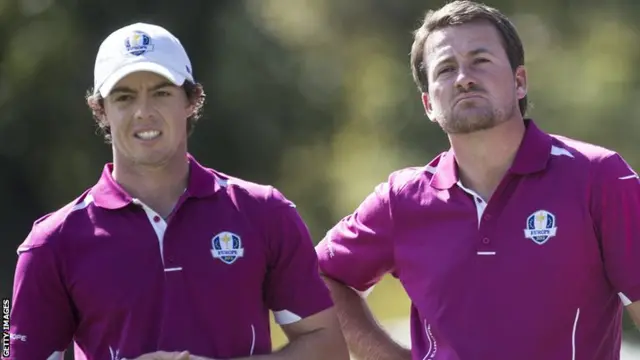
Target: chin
(154,158)
(467,126)
(471,120)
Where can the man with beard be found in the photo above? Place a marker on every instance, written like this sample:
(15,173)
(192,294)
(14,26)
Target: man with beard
(513,244)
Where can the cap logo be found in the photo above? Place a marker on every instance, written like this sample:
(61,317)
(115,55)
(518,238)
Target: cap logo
(138,43)
(541,226)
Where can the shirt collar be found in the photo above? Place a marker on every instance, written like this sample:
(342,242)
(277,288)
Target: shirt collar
(532,156)
(108,194)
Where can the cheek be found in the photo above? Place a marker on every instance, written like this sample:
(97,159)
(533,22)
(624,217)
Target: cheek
(175,116)
(438,97)
(507,82)
(113,118)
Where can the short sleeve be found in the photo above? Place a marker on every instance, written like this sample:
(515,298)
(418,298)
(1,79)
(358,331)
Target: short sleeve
(41,321)
(358,250)
(616,212)
(294,289)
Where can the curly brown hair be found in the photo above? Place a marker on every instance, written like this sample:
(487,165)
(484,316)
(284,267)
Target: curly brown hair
(195,94)
(463,12)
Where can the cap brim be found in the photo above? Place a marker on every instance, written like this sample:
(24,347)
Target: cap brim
(173,76)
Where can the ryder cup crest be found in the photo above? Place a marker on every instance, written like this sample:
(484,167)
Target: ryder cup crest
(138,43)
(541,226)
(227,247)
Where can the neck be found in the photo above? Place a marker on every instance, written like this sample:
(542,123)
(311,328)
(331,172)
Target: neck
(158,186)
(484,157)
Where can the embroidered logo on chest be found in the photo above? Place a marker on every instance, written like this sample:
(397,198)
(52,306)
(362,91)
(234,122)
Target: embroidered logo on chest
(227,247)
(541,226)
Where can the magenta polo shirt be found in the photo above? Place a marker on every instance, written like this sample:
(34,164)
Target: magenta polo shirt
(110,274)
(541,271)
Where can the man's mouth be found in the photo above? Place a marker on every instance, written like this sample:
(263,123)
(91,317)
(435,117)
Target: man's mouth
(148,134)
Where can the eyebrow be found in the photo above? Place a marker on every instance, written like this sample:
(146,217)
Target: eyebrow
(128,90)
(473,52)
(479,51)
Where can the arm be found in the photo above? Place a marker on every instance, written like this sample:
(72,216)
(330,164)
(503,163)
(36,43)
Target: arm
(295,292)
(366,339)
(42,321)
(317,337)
(616,210)
(634,312)
(355,255)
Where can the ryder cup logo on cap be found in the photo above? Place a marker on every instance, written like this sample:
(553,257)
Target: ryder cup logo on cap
(138,43)
(140,47)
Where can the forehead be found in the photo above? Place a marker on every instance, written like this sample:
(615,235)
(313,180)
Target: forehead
(141,79)
(462,39)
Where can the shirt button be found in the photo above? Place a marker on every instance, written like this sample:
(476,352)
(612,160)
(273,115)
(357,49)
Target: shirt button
(486,241)
(156,218)
(487,217)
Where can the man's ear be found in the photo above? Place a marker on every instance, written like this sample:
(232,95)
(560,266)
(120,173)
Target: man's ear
(97,108)
(521,82)
(428,106)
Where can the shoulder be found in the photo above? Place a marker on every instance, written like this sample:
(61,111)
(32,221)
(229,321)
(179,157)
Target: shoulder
(410,179)
(581,157)
(576,149)
(248,193)
(46,230)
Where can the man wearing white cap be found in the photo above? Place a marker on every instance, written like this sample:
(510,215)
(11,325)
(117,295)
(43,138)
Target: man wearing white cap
(162,257)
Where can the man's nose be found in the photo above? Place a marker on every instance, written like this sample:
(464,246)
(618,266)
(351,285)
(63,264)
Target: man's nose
(465,80)
(143,107)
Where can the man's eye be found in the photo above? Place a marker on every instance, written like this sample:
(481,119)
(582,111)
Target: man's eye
(122,98)
(445,70)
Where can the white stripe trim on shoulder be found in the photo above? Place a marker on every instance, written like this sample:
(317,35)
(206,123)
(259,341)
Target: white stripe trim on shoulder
(558,151)
(222,182)
(430,169)
(79,206)
(625,300)
(86,202)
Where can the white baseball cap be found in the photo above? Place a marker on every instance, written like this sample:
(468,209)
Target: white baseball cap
(140,47)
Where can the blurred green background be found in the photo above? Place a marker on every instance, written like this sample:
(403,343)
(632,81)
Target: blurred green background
(313,96)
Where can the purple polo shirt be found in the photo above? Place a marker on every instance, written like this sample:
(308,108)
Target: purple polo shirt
(110,274)
(541,271)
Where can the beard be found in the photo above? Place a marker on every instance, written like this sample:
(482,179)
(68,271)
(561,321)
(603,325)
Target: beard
(475,114)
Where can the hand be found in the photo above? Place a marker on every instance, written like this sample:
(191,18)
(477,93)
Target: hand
(164,355)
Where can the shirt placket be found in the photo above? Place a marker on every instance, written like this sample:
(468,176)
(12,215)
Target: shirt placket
(174,286)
